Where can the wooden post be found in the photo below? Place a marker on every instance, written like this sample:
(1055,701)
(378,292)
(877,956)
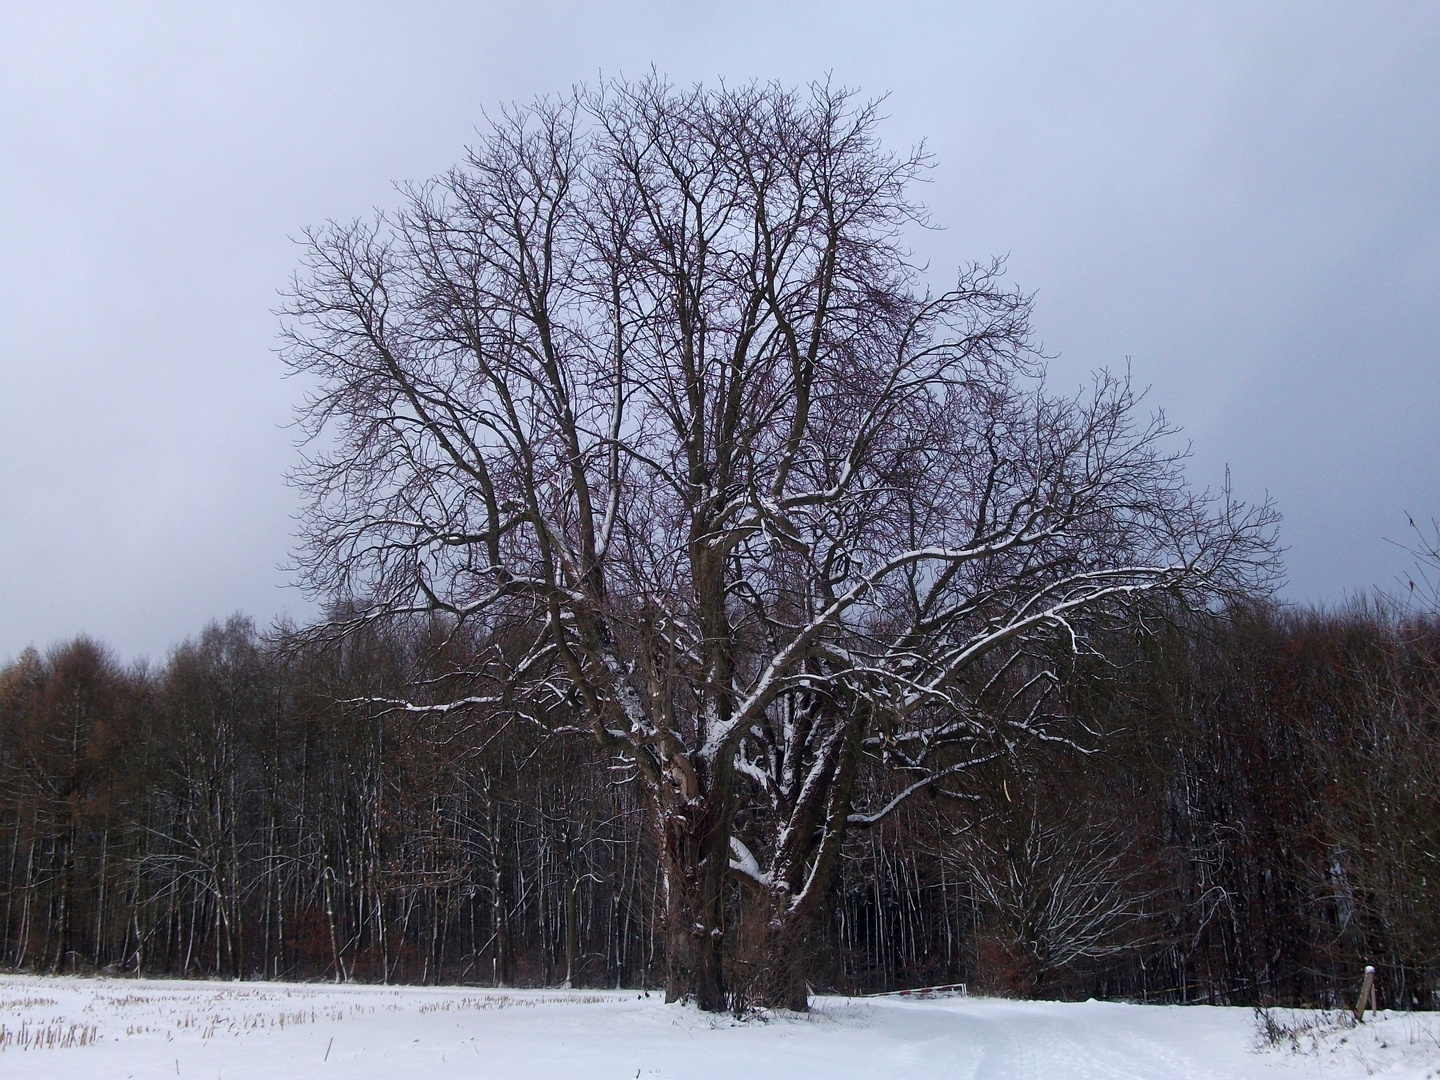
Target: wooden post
(1367,995)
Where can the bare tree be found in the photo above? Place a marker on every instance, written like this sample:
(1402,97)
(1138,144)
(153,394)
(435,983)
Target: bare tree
(1423,581)
(1056,893)
(650,389)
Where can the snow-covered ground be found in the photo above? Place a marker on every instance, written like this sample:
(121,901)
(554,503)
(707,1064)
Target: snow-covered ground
(101,1028)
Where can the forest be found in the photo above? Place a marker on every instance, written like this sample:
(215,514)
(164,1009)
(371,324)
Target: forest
(1251,814)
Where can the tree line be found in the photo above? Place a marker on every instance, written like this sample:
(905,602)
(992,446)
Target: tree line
(1256,815)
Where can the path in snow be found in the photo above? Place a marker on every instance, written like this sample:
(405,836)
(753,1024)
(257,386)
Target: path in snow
(102,1028)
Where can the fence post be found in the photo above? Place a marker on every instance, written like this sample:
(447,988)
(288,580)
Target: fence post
(1367,994)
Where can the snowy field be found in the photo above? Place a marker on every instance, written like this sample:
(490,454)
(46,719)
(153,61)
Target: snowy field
(102,1028)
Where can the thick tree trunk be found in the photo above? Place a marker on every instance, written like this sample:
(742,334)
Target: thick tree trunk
(802,873)
(788,947)
(696,861)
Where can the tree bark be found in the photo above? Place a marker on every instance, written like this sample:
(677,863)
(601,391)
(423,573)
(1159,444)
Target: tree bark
(804,869)
(696,860)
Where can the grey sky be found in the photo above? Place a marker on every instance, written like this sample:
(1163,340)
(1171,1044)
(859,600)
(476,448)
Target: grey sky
(1244,200)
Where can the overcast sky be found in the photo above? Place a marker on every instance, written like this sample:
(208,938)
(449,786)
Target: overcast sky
(1243,200)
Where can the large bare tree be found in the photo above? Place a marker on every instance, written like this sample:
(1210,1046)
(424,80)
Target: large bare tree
(650,390)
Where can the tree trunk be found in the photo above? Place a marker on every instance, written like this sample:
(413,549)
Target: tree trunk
(572,928)
(787,951)
(803,870)
(696,861)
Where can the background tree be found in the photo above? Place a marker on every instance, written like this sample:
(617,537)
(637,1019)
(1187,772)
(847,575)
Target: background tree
(1058,889)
